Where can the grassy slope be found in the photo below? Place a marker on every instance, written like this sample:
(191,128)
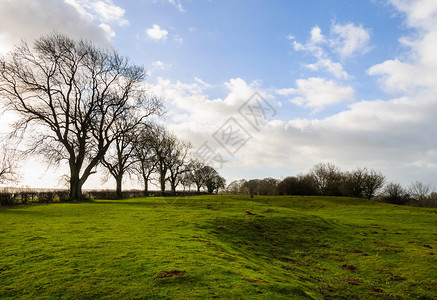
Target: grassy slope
(228,246)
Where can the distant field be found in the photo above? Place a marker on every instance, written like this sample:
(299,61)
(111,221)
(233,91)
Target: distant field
(219,247)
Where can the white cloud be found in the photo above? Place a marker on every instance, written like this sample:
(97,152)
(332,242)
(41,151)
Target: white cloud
(393,136)
(317,36)
(347,40)
(177,4)
(350,39)
(416,69)
(156,33)
(160,65)
(108,30)
(334,68)
(315,45)
(28,19)
(317,93)
(109,12)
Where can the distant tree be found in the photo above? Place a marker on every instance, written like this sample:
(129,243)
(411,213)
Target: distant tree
(372,183)
(303,184)
(288,186)
(197,173)
(394,193)
(186,180)
(419,191)
(120,159)
(353,183)
(251,186)
(144,155)
(268,186)
(328,178)
(178,162)
(236,187)
(9,161)
(162,143)
(212,180)
(71,93)
(307,185)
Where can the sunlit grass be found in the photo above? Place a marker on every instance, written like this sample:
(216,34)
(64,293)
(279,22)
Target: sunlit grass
(219,246)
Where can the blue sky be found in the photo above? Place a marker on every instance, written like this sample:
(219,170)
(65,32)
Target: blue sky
(352,82)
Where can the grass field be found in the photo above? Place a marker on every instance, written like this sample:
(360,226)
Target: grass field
(219,247)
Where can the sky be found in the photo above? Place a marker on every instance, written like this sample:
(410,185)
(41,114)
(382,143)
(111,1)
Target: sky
(268,88)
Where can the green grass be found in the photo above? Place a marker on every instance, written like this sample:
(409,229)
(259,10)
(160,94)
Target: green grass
(219,247)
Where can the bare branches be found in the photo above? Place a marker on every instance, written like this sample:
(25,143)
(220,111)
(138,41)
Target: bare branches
(9,161)
(75,93)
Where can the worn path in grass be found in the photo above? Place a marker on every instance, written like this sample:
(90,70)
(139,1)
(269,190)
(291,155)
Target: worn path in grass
(219,247)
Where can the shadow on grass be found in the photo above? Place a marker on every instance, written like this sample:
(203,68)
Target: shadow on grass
(275,237)
(18,211)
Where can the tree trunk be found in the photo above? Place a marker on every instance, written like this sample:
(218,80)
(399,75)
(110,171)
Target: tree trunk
(119,180)
(173,187)
(146,186)
(162,181)
(75,188)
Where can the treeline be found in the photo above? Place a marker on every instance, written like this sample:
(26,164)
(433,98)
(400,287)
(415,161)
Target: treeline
(90,107)
(326,179)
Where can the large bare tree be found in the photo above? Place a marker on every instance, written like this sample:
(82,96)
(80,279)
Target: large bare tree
(72,93)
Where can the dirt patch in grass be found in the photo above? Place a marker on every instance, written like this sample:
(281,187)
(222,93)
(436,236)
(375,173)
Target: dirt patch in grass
(172,273)
(349,267)
(376,290)
(357,251)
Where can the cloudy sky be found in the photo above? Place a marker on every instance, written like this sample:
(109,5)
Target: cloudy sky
(298,82)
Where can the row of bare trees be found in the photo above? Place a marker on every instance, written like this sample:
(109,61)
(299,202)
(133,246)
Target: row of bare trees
(153,154)
(328,180)
(88,106)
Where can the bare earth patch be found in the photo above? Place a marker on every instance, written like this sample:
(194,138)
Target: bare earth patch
(349,267)
(352,281)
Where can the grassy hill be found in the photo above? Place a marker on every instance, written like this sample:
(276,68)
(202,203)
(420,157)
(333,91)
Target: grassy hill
(219,247)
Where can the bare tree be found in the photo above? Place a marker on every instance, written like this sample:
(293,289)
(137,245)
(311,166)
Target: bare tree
(267,186)
(8,165)
(328,178)
(178,162)
(353,183)
(212,180)
(372,182)
(394,193)
(145,156)
(251,186)
(120,159)
(196,175)
(236,187)
(162,143)
(419,191)
(72,92)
